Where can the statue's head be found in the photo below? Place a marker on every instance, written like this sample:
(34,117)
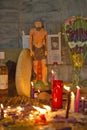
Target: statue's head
(38,24)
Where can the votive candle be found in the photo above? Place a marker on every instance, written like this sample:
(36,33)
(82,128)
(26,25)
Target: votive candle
(57,91)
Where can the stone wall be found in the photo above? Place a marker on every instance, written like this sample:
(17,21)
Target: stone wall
(19,15)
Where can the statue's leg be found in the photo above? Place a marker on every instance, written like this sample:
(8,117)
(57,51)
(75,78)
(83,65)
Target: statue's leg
(44,72)
(39,70)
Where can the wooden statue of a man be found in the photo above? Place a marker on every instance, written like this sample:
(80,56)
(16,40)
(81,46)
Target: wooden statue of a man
(38,49)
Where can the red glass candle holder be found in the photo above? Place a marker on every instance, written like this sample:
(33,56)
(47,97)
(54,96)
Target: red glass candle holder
(57,92)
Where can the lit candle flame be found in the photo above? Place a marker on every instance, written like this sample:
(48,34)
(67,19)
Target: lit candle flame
(19,108)
(77,87)
(8,107)
(2,106)
(32,83)
(67,88)
(82,98)
(31,116)
(38,91)
(48,108)
(52,71)
(41,110)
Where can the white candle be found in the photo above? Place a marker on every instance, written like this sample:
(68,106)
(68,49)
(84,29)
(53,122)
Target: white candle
(72,105)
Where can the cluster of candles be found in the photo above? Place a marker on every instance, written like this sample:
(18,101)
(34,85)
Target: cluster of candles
(73,101)
(35,114)
(45,113)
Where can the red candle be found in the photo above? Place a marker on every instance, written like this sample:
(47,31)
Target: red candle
(57,90)
(77,100)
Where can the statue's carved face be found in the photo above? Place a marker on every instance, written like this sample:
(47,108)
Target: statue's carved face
(38,24)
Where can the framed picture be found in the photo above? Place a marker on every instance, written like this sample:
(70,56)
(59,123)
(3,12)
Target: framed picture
(54,47)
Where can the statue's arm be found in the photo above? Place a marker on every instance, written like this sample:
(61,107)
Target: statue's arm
(31,42)
(46,44)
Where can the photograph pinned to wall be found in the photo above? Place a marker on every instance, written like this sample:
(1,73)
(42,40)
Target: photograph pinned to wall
(54,48)
(54,43)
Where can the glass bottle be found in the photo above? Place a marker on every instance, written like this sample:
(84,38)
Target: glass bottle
(3,75)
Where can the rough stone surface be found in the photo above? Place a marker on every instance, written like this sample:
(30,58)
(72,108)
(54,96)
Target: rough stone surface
(19,15)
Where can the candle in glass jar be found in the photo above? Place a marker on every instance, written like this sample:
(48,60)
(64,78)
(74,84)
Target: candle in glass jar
(77,100)
(57,90)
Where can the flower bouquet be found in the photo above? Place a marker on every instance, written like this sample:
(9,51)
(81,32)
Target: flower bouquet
(75,34)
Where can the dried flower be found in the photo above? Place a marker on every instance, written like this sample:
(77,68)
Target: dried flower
(75,34)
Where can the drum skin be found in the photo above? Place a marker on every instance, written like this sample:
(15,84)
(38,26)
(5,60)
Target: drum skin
(23,73)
